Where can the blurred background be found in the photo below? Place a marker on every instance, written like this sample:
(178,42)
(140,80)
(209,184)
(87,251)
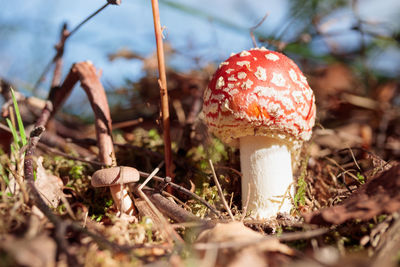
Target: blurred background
(348,49)
(364,33)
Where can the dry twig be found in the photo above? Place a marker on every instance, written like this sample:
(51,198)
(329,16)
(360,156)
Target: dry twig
(221,193)
(57,60)
(163,88)
(65,34)
(252,29)
(166,226)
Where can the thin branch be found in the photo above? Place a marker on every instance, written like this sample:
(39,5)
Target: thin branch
(354,159)
(87,19)
(166,225)
(43,74)
(125,124)
(163,88)
(172,210)
(154,172)
(252,29)
(185,191)
(221,193)
(58,57)
(66,35)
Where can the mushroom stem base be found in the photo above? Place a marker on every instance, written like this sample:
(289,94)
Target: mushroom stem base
(266,166)
(121,198)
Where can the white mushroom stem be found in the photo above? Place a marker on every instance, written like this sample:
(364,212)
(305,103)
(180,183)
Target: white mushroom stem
(121,198)
(266,165)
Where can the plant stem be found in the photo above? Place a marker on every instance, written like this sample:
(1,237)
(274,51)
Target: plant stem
(220,192)
(60,47)
(57,60)
(88,18)
(163,88)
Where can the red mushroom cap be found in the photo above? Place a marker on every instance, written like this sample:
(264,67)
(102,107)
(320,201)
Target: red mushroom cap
(259,92)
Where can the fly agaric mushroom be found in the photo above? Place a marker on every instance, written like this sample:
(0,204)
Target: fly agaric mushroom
(117,178)
(259,101)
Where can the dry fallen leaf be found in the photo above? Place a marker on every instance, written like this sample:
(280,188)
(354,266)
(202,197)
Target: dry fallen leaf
(379,195)
(349,135)
(332,80)
(236,244)
(39,251)
(48,185)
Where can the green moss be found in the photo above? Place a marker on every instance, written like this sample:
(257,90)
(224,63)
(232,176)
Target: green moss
(150,139)
(207,192)
(63,167)
(200,155)
(360,178)
(76,171)
(300,197)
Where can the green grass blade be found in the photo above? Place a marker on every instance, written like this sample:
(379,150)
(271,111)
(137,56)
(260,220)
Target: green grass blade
(19,119)
(13,131)
(3,175)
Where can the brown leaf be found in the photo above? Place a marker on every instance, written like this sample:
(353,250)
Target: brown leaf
(332,80)
(38,251)
(385,93)
(237,244)
(388,248)
(229,232)
(48,185)
(349,135)
(379,195)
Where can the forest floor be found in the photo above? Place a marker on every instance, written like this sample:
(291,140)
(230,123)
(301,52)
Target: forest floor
(345,207)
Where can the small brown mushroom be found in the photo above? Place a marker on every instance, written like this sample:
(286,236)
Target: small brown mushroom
(116,178)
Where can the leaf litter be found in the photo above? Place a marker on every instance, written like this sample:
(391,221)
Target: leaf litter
(346,207)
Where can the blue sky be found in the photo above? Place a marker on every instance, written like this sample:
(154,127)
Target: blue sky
(129,26)
(29,30)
